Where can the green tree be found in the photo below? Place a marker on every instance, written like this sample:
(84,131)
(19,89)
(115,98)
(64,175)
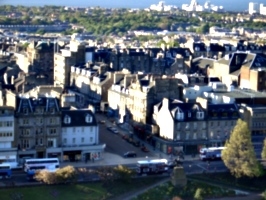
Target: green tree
(124,174)
(239,155)
(263,153)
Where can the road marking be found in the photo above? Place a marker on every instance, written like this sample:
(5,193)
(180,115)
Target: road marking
(201,167)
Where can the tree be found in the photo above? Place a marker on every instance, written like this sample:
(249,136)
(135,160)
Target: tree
(62,175)
(124,174)
(263,153)
(239,155)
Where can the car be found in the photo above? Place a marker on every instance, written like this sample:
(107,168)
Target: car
(102,121)
(114,130)
(110,128)
(130,154)
(144,149)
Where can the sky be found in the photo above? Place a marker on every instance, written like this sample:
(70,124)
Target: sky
(228,5)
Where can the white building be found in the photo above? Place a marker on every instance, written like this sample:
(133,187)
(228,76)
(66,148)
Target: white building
(162,7)
(262,9)
(207,7)
(253,8)
(8,151)
(80,135)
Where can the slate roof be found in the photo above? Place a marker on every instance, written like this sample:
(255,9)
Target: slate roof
(78,118)
(223,111)
(31,103)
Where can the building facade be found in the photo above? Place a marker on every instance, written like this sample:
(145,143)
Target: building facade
(80,136)
(8,148)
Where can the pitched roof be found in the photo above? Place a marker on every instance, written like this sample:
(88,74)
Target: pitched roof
(78,118)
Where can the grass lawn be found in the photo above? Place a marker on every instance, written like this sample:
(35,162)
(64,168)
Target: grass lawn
(82,191)
(245,183)
(168,191)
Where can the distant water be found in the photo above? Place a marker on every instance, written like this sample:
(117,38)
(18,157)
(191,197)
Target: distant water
(229,5)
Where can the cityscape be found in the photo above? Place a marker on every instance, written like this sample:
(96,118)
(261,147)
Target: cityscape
(107,94)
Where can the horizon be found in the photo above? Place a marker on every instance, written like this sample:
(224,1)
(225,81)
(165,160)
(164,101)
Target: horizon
(227,4)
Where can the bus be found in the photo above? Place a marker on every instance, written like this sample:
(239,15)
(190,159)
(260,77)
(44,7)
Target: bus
(11,160)
(5,171)
(158,166)
(211,153)
(36,164)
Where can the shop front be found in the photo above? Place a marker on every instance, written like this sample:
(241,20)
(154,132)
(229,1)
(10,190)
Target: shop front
(26,154)
(54,153)
(177,148)
(83,153)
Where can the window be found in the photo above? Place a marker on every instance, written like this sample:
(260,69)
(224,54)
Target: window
(67,119)
(200,115)
(1,124)
(51,142)
(65,140)
(82,140)
(25,121)
(25,144)
(187,126)
(25,132)
(52,120)
(203,125)
(179,115)
(194,136)
(9,123)
(195,125)
(53,131)
(88,118)
(25,110)
(178,126)
(91,139)
(187,135)
(74,140)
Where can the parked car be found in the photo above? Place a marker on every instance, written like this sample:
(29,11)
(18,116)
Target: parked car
(114,130)
(144,149)
(102,121)
(130,154)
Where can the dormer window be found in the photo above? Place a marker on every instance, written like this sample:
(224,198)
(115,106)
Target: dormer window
(52,110)
(25,110)
(180,115)
(88,118)
(67,119)
(200,115)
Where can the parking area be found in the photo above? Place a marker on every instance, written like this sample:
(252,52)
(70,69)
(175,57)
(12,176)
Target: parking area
(119,141)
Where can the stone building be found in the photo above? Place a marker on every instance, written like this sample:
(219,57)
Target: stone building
(38,60)
(131,98)
(38,130)
(69,56)
(90,83)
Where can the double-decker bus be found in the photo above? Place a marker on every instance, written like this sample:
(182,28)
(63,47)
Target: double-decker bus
(211,153)
(152,166)
(36,164)
(5,171)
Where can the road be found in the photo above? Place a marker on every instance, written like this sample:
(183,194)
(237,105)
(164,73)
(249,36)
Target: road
(115,144)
